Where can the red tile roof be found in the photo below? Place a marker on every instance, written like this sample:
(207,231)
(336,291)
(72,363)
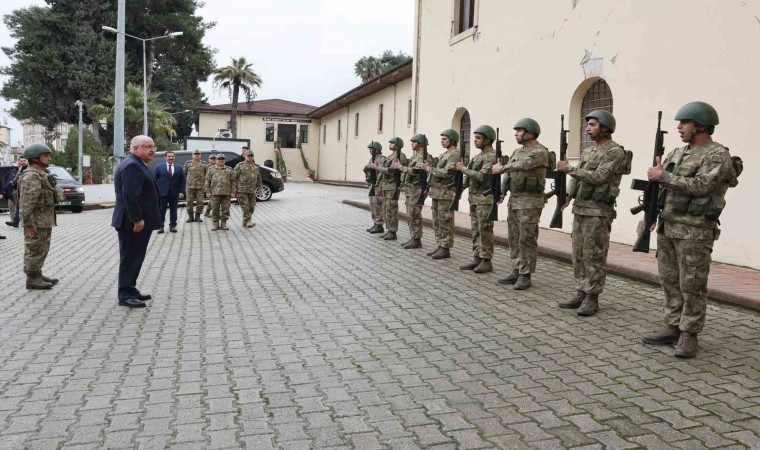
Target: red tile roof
(272,106)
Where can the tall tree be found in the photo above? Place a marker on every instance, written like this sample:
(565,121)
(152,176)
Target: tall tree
(238,76)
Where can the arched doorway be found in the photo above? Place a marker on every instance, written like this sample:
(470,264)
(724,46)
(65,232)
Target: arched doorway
(461,122)
(598,96)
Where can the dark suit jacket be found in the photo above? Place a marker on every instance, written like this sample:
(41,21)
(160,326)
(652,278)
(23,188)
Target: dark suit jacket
(136,195)
(169,186)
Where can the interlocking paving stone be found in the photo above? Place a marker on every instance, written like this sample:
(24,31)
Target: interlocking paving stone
(307,332)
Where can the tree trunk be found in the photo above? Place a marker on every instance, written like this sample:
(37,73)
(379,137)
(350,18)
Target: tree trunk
(233,113)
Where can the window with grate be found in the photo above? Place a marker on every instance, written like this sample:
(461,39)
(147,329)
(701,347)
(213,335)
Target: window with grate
(598,96)
(465,15)
(464,134)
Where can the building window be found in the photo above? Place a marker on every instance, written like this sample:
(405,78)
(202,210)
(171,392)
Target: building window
(464,134)
(303,134)
(63,144)
(64,128)
(464,15)
(270,132)
(409,113)
(324,134)
(598,96)
(380,119)
(356,125)
(339,124)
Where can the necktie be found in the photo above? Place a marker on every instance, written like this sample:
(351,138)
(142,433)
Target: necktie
(171,170)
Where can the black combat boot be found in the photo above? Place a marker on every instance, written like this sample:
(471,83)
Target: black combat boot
(390,236)
(198,217)
(484,266)
(377,229)
(471,265)
(574,302)
(667,336)
(435,250)
(35,281)
(590,305)
(523,282)
(442,253)
(53,281)
(190,218)
(414,243)
(509,279)
(687,345)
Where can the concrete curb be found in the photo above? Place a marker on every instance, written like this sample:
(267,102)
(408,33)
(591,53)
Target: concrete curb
(356,184)
(719,295)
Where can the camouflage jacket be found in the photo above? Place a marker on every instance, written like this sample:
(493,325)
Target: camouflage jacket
(595,182)
(247,177)
(388,174)
(220,181)
(195,174)
(479,165)
(694,182)
(526,177)
(37,197)
(440,178)
(411,190)
(380,161)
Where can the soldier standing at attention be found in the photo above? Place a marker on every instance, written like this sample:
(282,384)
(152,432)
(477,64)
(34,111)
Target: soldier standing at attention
(442,192)
(412,191)
(693,181)
(195,175)
(480,205)
(526,178)
(211,167)
(220,185)
(594,186)
(37,198)
(248,182)
(376,201)
(390,206)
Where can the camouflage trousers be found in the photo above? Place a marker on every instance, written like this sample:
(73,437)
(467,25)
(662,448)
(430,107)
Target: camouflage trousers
(684,265)
(522,234)
(208,207)
(591,241)
(36,250)
(194,201)
(443,223)
(220,207)
(247,202)
(390,211)
(482,231)
(414,216)
(376,205)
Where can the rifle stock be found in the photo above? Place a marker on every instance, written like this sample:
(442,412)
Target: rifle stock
(648,202)
(559,185)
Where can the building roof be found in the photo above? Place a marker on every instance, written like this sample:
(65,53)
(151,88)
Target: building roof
(273,106)
(380,82)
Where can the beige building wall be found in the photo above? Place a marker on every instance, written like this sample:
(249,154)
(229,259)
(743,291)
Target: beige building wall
(37,134)
(254,127)
(344,157)
(539,59)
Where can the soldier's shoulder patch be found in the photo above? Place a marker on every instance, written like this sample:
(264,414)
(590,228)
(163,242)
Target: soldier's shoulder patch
(718,159)
(536,152)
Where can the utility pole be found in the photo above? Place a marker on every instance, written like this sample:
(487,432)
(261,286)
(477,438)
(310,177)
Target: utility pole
(118,113)
(80,144)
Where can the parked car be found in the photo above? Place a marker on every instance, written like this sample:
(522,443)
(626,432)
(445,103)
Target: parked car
(271,180)
(72,189)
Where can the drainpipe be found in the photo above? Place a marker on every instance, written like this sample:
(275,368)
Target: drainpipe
(394,108)
(345,168)
(417,65)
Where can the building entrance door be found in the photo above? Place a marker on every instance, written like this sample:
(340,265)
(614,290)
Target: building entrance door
(287,135)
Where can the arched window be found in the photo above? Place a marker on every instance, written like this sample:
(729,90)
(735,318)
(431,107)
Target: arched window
(464,134)
(598,96)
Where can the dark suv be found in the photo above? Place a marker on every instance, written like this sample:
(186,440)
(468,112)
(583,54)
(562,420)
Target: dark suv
(271,180)
(72,189)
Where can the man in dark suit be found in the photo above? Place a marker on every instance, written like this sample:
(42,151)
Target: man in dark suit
(171,188)
(135,216)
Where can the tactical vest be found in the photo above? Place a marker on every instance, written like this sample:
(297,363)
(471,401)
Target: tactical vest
(475,186)
(440,163)
(604,193)
(44,207)
(389,182)
(532,181)
(409,178)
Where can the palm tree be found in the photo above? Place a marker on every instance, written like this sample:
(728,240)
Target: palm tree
(234,78)
(368,67)
(159,120)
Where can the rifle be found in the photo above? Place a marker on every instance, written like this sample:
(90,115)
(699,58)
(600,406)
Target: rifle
(648,202)
(370,175)
(423,178)
(494,180)
(458,182)
(559,187)
(396,175)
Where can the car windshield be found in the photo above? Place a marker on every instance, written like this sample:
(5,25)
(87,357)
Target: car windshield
(60,173)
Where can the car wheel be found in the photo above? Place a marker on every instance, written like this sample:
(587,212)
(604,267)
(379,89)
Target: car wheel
(77,209)
(265,194)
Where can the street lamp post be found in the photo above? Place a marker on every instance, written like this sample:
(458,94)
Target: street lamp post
(80,144)
(145,68)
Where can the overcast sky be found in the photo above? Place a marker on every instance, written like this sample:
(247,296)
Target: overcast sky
(304,50)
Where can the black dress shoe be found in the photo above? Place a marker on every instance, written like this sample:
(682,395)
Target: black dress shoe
(161,230)
(144,297)
(132,303)
(12,224)
(2,237)
(173,229)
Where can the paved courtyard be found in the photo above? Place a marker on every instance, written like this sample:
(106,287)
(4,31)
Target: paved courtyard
(307,332)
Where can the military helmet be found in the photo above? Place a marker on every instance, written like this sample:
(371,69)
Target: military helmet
(398,141)
(220,156)
(604,117)
(375,145)
(700,112)
(249,153)
(35,150)
(451,134)
(529,125)
(420,139)
(487,131)
(212,156)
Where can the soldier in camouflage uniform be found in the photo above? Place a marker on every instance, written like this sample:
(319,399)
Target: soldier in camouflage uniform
(248,181)
(694,180)
(442,192)
(595,184)
(376,201)
(195,175)
(480,205)
(386,177)
(413,190)
(36,201)
(211,167)
(220,184)
(526,172)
